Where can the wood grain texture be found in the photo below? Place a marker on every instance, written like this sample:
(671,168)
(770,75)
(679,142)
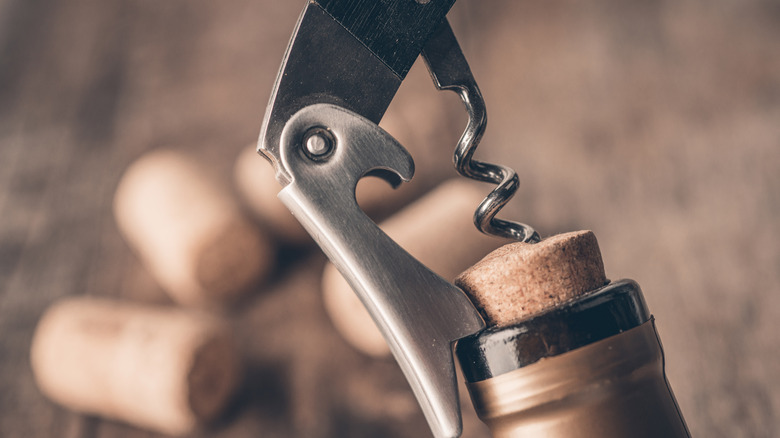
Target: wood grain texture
(652,123)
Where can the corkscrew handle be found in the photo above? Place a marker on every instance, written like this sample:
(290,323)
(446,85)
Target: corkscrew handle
(326,149)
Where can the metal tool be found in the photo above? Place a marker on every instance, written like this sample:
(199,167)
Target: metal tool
(342,68)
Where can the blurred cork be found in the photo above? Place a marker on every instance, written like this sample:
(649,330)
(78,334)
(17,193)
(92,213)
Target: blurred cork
(189,231)
(255,180)
(437,229)
(520,279)
(167,370)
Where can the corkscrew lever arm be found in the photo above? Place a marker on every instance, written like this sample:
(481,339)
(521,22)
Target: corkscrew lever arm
(419,313)
(342,68)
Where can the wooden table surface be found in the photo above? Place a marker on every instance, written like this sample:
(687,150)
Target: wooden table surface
(655,124)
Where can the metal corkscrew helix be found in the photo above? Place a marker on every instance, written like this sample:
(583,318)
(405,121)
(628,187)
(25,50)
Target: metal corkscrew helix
(451,71)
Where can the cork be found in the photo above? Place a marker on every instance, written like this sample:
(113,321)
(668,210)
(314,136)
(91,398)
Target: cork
(163,369)
(520,279)
(438,231)
(189,231)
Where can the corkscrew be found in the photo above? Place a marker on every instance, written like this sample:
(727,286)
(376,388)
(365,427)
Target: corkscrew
(342,68)
(450,71)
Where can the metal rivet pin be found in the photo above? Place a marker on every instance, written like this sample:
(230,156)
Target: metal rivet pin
(318,143)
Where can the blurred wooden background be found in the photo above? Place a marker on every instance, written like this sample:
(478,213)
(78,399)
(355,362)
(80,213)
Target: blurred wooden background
(655,124)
